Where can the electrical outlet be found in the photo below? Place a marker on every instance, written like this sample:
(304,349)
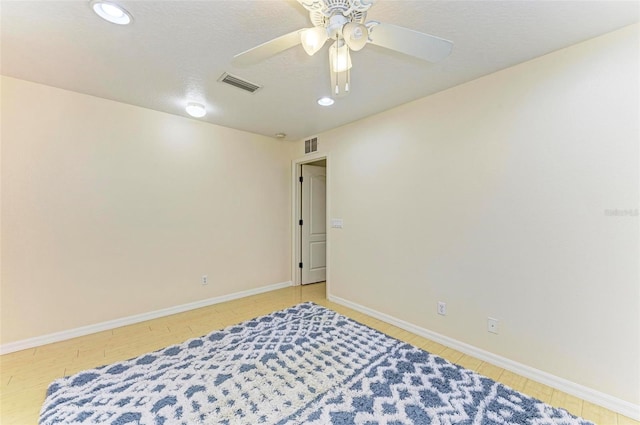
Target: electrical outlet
(442,308)
(205,280)
(492,325)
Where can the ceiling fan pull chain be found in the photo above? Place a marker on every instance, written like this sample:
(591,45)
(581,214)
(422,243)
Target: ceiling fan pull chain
(348,82)
(337,74)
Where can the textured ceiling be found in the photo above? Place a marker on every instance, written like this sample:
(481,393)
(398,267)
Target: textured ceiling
(175,51)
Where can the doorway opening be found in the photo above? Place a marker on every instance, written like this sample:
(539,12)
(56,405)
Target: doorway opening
(310,207)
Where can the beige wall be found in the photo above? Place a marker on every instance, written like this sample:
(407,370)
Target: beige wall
(110,210)
(491,196)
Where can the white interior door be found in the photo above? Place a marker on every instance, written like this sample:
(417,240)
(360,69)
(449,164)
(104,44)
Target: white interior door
(314,224)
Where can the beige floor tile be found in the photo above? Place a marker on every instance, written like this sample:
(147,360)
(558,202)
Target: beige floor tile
(623,420)
(490,371)
(513,380)
(433,347)
(566,401)
(599,415)
(540,391)
(450,354)
(469,362)
(21,408)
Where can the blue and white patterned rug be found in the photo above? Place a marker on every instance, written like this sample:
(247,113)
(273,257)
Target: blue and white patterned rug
(303,365)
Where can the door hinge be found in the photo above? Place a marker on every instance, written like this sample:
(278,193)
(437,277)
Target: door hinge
(300,222)
(300,265)
(301,179)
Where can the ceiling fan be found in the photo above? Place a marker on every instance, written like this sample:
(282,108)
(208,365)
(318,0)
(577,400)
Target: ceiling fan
(344,21)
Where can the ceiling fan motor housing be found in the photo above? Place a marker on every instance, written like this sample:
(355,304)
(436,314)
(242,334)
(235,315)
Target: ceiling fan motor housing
(336,23)
(322,12)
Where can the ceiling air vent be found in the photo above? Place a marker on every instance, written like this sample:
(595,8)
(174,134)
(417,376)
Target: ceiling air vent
(311,145)
(239,83)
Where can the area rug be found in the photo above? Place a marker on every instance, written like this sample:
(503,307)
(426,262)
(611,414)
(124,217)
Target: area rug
(303,365)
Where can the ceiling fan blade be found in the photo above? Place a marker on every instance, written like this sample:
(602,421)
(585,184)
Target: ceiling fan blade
(410,42)
(268,49)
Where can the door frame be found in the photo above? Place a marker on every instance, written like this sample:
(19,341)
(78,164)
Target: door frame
(296,273)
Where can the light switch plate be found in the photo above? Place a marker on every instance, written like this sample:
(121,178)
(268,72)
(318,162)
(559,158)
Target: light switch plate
(337,223)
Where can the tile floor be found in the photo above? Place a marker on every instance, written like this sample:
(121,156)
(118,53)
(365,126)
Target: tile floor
(25,375)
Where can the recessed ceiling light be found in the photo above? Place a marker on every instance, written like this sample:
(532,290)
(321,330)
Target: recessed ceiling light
(326,101)
(196,110)
(111,12)
(281,135)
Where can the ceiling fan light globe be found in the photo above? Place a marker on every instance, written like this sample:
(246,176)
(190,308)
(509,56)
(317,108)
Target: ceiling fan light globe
(355,35)
(313,39)
(339,58)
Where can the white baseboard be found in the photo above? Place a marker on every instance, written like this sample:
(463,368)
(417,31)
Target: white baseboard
(130,320)
(589,394)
